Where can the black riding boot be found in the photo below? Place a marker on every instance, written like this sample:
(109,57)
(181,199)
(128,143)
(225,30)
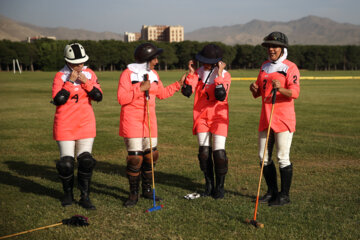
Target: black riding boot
(68,185)
(207,166)
(146,183)
(85,170)
(209,177)
(209,182)
(65,167)
(84,180)
(221,168)
(269,172)
(219,189)
(286,177)
(134,191)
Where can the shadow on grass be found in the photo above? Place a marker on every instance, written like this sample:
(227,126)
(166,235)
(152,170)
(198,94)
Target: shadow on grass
(27,186)
(172,180)
(50,173)
(33,170)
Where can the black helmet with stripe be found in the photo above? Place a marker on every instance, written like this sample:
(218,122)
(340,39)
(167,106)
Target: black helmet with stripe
(75,53)
(277,39)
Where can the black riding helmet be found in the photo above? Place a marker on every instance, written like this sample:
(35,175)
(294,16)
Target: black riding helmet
(277,39)
(145,52)
(210,54)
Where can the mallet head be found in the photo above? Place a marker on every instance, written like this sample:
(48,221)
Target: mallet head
(155,208)
(254,223)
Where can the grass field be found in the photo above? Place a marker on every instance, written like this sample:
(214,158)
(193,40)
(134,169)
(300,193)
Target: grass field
(325,153)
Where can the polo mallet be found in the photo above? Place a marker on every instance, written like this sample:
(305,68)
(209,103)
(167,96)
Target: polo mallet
(253,221)
(154,208)
(77,220)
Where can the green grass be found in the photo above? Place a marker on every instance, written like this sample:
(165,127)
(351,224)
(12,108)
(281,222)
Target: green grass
(325,193)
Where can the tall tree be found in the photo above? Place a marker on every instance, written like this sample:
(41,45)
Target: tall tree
(168,57)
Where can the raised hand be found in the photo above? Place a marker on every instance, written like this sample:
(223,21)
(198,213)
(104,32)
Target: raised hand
(74,76)
(191,67)
(82,78)
(182,79)
(221,66)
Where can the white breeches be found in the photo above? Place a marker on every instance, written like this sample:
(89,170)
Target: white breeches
(67,148)
(218,142)
(139,144)
(282,140)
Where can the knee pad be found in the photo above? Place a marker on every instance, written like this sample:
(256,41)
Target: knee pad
(204,155)
(147,156)
(86,162)
(65,166)
(221,162)
(146,165)
(133,163)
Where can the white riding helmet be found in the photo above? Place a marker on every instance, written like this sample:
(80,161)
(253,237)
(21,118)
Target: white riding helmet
(75,53)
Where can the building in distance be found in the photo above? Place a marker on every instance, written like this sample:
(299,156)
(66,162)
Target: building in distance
(34,38)
(131,37)
(160,33)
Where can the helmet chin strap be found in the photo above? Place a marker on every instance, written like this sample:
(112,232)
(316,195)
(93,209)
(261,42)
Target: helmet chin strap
(148,66)
(282,55)
(68,65)
(211,71)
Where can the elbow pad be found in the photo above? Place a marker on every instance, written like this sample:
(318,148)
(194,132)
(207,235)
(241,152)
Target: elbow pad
(220,92)
(186,90)
(95,94)
(61,97)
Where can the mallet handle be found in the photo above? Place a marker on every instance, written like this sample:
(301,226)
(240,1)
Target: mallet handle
(32,230)
(266,144)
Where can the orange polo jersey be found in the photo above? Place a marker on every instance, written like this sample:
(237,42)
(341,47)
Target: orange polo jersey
(284,118)
(209,114)
(75,119)
(133,115)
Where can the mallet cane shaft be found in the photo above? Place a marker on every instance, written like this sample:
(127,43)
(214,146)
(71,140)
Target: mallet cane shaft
(76,220)
(32,230)
(253,221)
(154,208)
(151,154)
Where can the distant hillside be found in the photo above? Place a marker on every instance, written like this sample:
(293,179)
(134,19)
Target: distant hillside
(306,31)
(17,31)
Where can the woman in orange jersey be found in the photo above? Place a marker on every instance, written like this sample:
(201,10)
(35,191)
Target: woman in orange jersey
(211,84)
(74,87)
(138,79)
(279,73)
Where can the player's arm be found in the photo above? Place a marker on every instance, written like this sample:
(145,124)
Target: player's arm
(59,92)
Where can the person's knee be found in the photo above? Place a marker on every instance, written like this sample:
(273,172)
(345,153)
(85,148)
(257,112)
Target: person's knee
(65,166)
(146,166)
(283,158)
(220,161)
(147,155)
(86,162)
(204,154)
(134,161)
(284,162)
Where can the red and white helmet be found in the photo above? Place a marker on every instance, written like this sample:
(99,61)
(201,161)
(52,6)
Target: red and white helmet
(75,53)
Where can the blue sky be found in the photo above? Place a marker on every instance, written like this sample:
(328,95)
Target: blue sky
(121,16)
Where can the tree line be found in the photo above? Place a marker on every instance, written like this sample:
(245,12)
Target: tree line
(111,55)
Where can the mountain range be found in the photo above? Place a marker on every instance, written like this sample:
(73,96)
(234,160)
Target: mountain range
(18,31)
(305,31)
